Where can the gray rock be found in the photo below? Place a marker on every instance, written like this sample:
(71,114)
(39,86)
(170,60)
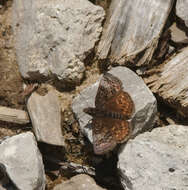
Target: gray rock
(182,10)
(22,162)
(79,182)
(156,160)
(178,35)
(145,102)
(45,114)
(54,37)
(132,30)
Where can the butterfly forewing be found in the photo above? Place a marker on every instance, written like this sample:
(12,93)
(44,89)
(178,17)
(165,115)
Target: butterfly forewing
(108,87)
(121,103)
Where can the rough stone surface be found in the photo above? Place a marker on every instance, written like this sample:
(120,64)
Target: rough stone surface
(145,102)
(79,182)
(133,27)
(22,162)
(54,37)
(177,35)
(45,114)
(156,160)
(170,82)
(182,10)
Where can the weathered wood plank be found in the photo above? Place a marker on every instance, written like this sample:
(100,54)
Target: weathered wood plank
(13,115)
(170,82)
(133,27)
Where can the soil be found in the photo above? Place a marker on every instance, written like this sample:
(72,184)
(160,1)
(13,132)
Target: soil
(10,80)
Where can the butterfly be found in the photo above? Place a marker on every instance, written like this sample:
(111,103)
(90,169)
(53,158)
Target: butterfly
(113,107)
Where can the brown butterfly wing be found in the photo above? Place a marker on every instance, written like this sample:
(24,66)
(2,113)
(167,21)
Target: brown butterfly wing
(111,97)
(121,130)
(107,132)
(103,141)
(121,103)
(108,87)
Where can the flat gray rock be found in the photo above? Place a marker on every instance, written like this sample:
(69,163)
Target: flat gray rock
(45,114)
(79,182)
(132,29)
(182,10)
(156,160)
(145,102)
(54,37)
(22,162)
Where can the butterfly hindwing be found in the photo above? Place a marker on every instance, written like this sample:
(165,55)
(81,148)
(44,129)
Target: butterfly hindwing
(103,141)
(121,130)
(107,132)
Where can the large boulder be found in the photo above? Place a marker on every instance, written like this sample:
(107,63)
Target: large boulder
(144,101)
(156,160)
(55,37)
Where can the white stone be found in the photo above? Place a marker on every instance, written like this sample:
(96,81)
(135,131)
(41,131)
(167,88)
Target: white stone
(22,161)
(156,160)
(145,102)
(54,37)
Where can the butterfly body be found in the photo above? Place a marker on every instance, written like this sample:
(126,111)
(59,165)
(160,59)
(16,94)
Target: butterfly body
(104,113)
(113,107)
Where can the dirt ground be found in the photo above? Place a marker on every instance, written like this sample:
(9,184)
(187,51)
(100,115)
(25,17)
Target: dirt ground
(10,79)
